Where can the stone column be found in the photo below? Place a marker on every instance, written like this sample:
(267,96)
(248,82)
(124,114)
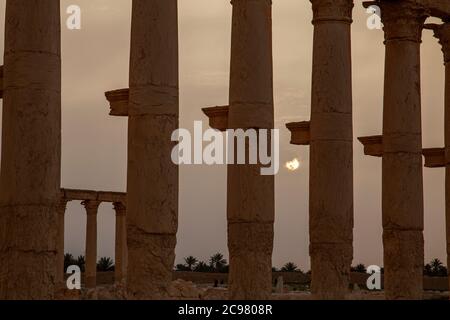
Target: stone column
(31,150)
(121,242)
(250,202)
(331,153)
(443,34)
(91,243)
(152,200)
(60,247)
(402,181)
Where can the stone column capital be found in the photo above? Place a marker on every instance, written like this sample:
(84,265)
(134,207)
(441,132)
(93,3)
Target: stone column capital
(62,205)
(403,21)
(120,208)
(332,11)
(233,2)
(442,32)
(91,206)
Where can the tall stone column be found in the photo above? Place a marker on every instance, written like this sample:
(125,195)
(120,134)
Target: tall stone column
(91,243)
(331,153)
(152,201)
(402,181)
(443,34)
(31,150)
(121,242)
(60,247)
(250,202)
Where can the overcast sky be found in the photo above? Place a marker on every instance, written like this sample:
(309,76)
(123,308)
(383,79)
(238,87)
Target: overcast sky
(95,60)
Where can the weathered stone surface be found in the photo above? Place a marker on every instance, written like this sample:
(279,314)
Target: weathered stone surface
(434,157)
(403,250)
(443,34)
(180,289)
(331,151)
(326,284)
(250,246)
(149,254)
(31,150)
(331,207)
(1,82)
(251,74)
(250,201)
(218,117)
(60,247)
(438,8)
(152,196)
(373,145)
(214,294)
(246,185)
(300,132)
(402,152)
(102,196)
(119,102)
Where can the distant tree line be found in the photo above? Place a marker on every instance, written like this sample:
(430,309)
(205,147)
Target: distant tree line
(104,264)
(433,269)
(218,264)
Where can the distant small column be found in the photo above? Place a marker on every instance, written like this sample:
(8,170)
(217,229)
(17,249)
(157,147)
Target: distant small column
(91,242)
(121,242)
(60,247)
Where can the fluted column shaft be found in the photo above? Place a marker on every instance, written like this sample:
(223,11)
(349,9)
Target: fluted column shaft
(60,247)
(402,181)
(331,151)
(152,200)
(121,242)
(91,243)
(31,150)
(250,201)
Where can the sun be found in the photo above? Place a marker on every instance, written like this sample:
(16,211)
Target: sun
(293,165)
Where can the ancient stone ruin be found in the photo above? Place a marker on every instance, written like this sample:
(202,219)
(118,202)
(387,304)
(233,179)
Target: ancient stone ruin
(33,202)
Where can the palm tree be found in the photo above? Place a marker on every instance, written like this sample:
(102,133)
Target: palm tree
(105,264)
(289,267)
(360,268)
(202,267)
(436,266)
(217,262)
(190,262)
(428,270)
(68,261)
(81,262)
(181,267)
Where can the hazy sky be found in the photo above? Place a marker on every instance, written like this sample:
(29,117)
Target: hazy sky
(95,60)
